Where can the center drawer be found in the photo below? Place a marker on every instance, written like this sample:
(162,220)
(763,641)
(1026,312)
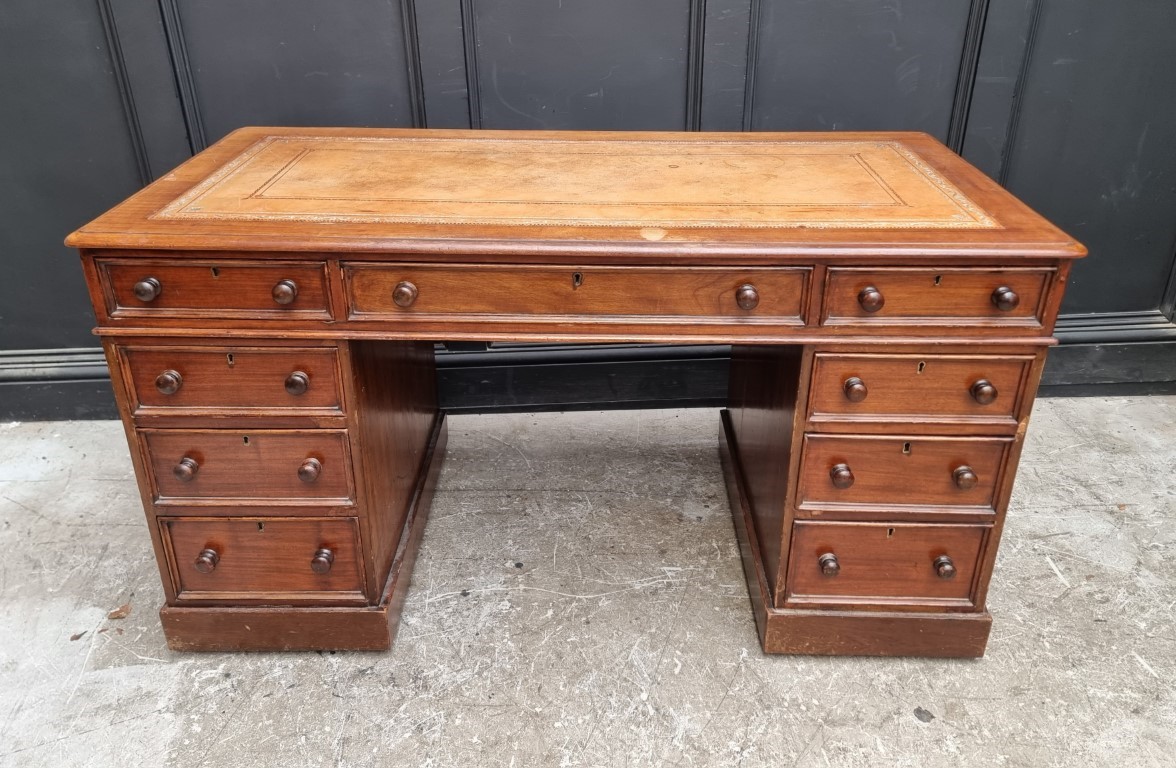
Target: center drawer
(382,291)
(249,465)
(264,559)
(883,471)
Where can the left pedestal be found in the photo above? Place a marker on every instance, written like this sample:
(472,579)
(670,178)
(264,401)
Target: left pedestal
(286,484)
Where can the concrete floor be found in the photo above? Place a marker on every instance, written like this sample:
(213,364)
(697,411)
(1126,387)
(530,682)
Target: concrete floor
(579,601)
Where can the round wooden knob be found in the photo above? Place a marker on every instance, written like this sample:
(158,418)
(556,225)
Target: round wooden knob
(186,470)
(207,559)
(310,470)
(1005,298)
(297,383)
(983,392)
(965,477)
(829,565)
(322,561)
(871,299)
(855,389)
(404,294)
(944,567)
(747,297)
(842,476)
(169,382)
(147,289)
(285,292)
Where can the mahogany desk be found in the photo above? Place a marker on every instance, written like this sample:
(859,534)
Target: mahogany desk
(269,309)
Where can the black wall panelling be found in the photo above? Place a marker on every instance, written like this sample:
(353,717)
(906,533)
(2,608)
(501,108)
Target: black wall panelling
(61,110)
(291,62)
(857,65)
(1093,146)
(1066,102)
(412,63)
(1002,59)
(155,117)
(118,66)
(726,37)
(177,46)
(599,65)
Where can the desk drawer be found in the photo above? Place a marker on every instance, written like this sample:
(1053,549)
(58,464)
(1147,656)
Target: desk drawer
(264,559)
(233,379)
(698,293)
(207,288)
(886,564)
(980,389)
(953,297)
(900,471)
(239,466)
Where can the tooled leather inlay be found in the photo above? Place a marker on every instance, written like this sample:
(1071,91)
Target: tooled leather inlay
(595,183)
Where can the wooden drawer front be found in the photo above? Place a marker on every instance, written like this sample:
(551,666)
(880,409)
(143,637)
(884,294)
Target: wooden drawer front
(248,465)
(264,558)
(935,296)
(900,471)
(904,388)
(216,288)
(236,379)
(884,563)
(648,292)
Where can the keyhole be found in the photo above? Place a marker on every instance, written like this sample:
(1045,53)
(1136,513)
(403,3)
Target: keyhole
(261,527)
(245,440)
(216,271)
(922,365)
(906,449)
(938,279)
(577,279)
(889,532)
(229,359)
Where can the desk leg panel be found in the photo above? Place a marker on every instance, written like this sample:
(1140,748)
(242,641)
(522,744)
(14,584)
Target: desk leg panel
(767,392)
(392,408)
(279,628)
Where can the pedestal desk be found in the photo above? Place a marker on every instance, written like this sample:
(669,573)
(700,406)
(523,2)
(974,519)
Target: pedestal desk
(269,312)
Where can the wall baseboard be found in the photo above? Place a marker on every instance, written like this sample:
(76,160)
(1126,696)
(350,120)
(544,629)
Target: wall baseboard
(53,384)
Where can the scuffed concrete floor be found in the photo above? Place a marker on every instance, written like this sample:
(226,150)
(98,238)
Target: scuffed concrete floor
(579,601)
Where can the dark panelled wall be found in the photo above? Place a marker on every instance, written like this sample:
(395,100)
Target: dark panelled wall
(1066,102)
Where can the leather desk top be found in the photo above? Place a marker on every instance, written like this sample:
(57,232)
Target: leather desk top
(690,197)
